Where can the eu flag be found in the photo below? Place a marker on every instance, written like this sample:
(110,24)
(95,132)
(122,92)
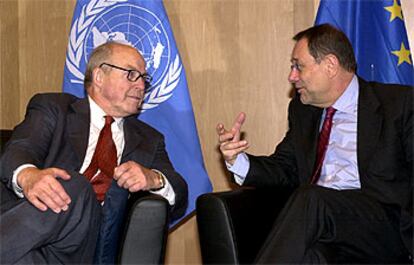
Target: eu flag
(167,107)
(378,35)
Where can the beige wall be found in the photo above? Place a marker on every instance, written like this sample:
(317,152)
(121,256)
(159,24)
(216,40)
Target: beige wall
(235,52)
(408,12)
(33,39)
(236,55)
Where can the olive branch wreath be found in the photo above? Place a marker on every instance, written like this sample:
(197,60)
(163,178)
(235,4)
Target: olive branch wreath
(155,95)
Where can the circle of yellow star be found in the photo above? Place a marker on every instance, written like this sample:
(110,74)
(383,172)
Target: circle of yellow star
(395,11)
(403,55)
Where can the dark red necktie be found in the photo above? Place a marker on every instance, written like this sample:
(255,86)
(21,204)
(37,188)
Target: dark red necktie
(104,159)
(323,143)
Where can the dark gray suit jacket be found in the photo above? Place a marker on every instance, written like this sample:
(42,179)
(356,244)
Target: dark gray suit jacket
(384,149)
(55,133)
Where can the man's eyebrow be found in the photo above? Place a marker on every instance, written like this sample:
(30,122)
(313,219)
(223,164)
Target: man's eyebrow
(131,67)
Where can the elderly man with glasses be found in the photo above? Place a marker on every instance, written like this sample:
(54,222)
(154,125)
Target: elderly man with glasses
(73,162)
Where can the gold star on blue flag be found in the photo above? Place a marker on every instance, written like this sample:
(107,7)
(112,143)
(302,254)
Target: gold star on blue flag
(378,35)
(403,55)
(395,10)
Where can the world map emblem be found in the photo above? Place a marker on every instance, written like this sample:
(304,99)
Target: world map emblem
(102,21)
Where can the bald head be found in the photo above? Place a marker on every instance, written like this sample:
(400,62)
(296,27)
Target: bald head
(101,54)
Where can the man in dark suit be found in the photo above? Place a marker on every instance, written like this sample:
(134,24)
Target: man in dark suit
(355,204)
(60,216)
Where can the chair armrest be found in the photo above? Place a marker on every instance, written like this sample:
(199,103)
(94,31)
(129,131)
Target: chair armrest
(146,231)
(234,225)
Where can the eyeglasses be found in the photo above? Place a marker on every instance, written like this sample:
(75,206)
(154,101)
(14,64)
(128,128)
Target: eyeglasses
(133,75)
(296,66)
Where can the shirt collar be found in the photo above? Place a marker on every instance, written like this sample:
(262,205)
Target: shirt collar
(348,101)
(97,115)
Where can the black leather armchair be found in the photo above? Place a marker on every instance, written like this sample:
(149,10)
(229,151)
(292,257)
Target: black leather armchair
(146,231)
(146,225)
(233,225)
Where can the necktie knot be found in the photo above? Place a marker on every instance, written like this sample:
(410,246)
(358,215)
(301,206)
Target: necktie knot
(108,120)
(330,111)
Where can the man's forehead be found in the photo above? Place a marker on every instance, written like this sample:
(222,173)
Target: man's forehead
(128,55)
(300,51)
(123,49)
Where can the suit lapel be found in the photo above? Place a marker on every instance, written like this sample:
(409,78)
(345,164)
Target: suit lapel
(132,136)
(369,124)
(78,123)
(310,141)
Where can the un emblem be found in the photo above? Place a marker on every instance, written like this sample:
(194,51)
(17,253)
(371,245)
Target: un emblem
(102,21)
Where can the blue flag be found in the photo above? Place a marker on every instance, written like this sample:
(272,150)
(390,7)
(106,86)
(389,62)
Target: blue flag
(167,106)
(377,32)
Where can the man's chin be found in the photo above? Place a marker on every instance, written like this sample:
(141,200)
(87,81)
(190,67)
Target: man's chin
(135,103)
(133,110)
(304,99)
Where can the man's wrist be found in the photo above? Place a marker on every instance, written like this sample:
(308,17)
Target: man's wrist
(160,180)
(15,184)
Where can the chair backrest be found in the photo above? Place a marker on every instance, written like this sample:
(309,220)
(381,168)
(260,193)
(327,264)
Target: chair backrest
(233,225)
(146,231)
(217,242)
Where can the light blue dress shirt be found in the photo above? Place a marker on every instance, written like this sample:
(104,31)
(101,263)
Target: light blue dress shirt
(340,167)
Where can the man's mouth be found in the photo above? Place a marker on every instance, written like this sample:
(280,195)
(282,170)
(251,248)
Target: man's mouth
(299,89)
(136,98)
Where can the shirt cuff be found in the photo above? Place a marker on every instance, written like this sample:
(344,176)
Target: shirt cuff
(167,192)
(239,168)
(16,188)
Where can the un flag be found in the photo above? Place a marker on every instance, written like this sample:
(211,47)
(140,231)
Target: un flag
(378,35)
(167,107)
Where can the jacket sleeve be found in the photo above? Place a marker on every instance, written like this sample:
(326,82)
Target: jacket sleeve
(162,163)
(32,138)
(280,168)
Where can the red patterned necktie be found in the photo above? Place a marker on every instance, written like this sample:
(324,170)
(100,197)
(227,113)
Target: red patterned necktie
(323,143)
(104,159)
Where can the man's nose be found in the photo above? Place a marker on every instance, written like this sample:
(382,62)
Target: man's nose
(140,84)
(293,75)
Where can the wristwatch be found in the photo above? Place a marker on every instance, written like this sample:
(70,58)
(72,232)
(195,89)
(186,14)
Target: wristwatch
(161,180)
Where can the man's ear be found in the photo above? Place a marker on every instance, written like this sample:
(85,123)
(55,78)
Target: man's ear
(332,65)
(98,75)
